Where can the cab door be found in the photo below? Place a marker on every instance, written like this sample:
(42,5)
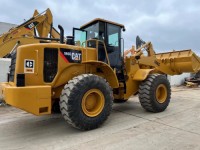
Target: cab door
(113,42)
(80,36)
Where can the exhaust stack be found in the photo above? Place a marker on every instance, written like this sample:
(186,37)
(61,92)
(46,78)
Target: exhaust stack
(61,34)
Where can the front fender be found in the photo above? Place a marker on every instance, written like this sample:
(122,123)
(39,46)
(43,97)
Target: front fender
(141,74)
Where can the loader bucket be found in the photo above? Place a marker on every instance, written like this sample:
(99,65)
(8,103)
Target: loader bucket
(180,61)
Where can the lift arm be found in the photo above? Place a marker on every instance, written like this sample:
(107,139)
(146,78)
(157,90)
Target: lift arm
(171,63)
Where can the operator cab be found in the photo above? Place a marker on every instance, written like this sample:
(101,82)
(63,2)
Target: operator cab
(106,31)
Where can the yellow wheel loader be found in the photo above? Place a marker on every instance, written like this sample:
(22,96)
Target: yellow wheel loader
(37,29)
(84,75)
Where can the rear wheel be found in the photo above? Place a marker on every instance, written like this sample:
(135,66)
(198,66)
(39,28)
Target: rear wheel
(86,101)
(155,93)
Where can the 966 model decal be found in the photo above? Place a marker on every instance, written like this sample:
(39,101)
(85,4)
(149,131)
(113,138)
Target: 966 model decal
(71,56)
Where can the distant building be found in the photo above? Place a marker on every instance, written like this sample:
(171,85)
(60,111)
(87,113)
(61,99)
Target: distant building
(4,27)
(177,80)
(4,63)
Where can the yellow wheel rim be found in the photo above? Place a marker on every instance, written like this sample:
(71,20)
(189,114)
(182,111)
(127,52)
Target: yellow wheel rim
(93,102)
(161,93)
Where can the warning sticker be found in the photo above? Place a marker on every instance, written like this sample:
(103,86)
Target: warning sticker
(29,66)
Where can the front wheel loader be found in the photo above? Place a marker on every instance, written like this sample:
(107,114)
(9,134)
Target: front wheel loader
(85,74)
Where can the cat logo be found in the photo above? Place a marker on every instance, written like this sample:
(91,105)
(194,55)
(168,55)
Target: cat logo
(31,25)
(29,66)
(76,56)
(71,56)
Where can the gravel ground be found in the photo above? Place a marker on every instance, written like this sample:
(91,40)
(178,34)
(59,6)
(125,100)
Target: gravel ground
(128,127)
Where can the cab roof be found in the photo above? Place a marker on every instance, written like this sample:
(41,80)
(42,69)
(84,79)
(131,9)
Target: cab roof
(103,20)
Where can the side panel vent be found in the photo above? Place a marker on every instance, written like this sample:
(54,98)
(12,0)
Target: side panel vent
(50,64)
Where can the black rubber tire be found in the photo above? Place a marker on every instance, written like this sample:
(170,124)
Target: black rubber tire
(71,99)
(120,100)
(147,93)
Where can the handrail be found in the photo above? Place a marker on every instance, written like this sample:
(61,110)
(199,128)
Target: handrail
(96,47)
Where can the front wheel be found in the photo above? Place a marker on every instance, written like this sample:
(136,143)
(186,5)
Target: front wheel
(86,101)
(155,93)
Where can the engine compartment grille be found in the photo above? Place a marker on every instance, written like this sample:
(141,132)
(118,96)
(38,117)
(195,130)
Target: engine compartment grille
(50,64)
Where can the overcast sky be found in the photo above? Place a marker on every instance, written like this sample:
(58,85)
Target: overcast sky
(169,24)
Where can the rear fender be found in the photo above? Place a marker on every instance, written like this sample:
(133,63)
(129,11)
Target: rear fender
(107,72)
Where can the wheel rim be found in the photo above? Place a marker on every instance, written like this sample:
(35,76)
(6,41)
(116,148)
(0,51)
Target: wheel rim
(161,93)
(93,102)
